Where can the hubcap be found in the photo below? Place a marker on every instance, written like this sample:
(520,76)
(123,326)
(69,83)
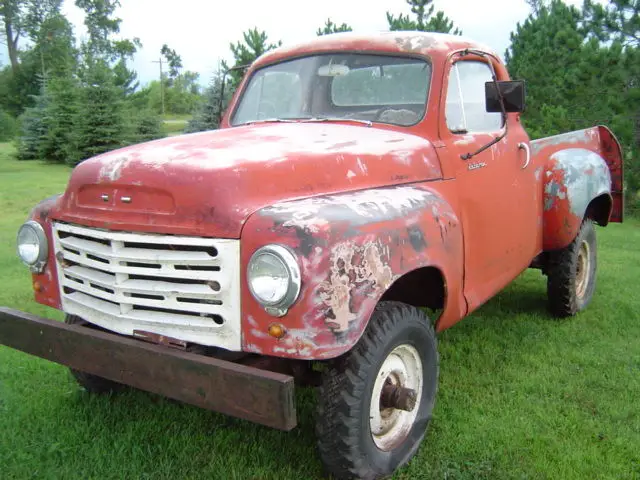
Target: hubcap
(582,270)
(399,377)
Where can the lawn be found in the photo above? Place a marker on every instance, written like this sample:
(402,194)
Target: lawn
(173,125)
(521,395)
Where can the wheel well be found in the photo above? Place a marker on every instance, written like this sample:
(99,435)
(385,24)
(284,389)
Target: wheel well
(423,287)
(599,210)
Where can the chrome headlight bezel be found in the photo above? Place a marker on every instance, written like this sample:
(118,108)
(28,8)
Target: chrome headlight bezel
(38,265)
(290,263)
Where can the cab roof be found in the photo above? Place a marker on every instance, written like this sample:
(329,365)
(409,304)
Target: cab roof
(413,42)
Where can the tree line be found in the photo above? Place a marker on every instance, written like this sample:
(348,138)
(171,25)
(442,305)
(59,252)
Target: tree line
(65,101)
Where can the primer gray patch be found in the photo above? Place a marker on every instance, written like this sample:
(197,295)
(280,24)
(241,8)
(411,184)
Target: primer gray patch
(582,187)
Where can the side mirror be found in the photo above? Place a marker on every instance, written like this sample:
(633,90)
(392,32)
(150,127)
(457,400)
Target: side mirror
(512,92)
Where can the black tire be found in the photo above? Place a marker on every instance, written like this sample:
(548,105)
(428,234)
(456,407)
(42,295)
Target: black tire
(345,441)
(568,291)
(92,383)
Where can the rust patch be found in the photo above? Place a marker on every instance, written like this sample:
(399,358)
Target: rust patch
(353,268)
(415,43)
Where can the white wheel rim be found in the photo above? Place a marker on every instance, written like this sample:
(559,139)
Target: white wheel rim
(583,273)
(390,426)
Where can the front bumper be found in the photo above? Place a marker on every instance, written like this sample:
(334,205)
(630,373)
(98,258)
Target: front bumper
(238,390)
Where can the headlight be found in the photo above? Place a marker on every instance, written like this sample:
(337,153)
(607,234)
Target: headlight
(273,276)
(32,245)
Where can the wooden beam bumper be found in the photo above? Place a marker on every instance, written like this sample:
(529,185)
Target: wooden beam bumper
(241,391)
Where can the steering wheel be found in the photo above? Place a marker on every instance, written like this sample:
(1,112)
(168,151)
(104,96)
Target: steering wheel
(382,110)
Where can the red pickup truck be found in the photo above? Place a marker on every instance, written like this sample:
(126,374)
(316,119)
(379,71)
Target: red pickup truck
(362,194)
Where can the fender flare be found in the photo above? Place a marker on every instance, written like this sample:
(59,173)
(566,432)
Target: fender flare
(574,177)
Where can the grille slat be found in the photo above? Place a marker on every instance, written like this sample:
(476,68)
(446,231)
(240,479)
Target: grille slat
(150,317)
(117,266)
(140,255)
(127,281)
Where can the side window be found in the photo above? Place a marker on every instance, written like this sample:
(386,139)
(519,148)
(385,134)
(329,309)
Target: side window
(465,108)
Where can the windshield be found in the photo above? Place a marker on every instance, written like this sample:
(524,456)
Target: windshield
(345,86)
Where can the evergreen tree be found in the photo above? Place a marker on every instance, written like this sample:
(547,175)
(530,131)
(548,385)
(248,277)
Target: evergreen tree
(207,115)
(246,52)
(330,27)
(59,119)
(99,125)
(146,126)
(33,126)
(424,20)
(577,77)
(617,20)
(546,52)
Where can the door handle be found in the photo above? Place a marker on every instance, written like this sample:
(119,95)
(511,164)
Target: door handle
(527,151)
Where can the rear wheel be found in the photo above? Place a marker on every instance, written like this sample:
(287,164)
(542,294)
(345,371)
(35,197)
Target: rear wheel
(92,383)
(571,273)
(376,400)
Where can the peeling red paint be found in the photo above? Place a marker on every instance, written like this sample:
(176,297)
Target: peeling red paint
(50,291)
(592,149)
(350,255)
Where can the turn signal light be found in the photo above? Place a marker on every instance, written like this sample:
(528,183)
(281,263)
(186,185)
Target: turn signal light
(277,330)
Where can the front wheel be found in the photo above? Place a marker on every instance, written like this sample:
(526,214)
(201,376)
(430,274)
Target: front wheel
(571,273)
(376,401)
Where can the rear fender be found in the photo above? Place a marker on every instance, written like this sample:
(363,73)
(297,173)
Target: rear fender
(579,167)
(352,248)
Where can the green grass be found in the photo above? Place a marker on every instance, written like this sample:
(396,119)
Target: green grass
(521,395)
(175,124)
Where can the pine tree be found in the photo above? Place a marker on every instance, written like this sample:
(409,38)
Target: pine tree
(330,27)
(99,125)
(424,20)
(59,119)
(546,52)
(146,125)
(255,43)
(577,76)
(33,126)
(207,116)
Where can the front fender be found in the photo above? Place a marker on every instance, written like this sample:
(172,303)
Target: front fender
(48,291)
(351,248)
(574,177)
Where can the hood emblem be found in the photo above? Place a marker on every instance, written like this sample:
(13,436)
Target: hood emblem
(123,199)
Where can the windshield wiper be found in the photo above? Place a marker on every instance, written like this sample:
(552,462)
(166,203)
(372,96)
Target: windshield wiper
(269,120)
(337,119)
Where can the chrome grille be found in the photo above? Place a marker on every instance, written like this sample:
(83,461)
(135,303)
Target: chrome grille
(183,287)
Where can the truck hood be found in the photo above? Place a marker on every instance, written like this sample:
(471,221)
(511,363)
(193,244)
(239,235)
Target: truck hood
(207,184)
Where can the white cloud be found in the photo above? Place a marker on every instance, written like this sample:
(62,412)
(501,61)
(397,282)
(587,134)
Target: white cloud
(200,30)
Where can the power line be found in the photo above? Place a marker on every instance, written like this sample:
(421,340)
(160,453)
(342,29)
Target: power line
(161,83)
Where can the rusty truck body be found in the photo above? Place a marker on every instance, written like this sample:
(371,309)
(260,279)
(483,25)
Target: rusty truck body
(354,181)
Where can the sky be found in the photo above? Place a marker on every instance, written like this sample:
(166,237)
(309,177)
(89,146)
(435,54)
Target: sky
(201,30)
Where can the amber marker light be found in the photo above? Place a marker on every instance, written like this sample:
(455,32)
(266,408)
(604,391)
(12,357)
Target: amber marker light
(277,330)
(37,286)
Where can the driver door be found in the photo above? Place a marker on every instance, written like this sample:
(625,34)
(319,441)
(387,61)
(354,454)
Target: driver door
(499,200)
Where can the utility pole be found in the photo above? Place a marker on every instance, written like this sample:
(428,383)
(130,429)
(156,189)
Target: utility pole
(161,83)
